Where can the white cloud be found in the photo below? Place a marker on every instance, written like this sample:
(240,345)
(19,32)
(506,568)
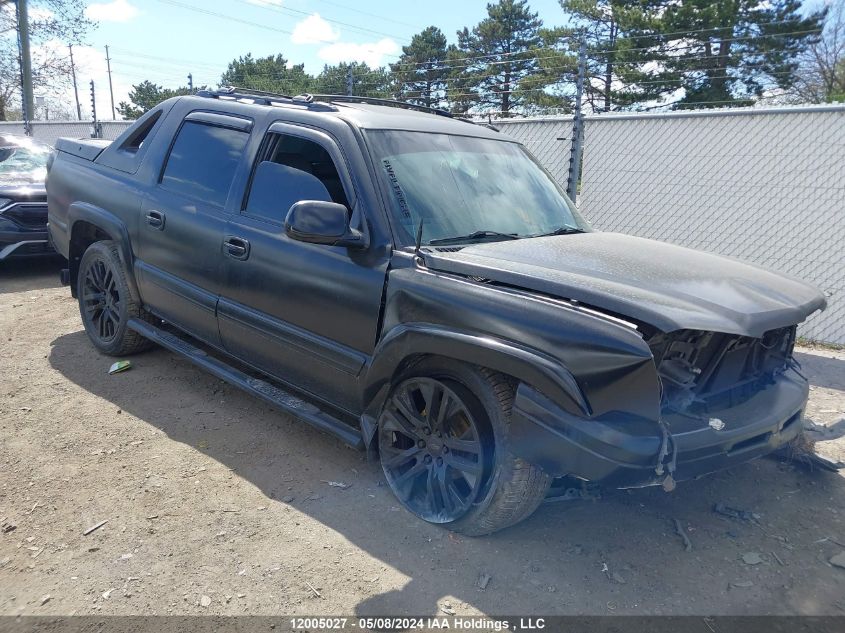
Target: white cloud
(370,53)
(314,30)
(115,11)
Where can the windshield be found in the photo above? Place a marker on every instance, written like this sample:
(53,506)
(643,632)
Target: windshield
(22,161)
(466,187)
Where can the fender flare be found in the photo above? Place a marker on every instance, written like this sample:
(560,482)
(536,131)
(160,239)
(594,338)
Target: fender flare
(528,365)
(112,226)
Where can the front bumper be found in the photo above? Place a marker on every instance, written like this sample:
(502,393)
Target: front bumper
(25,242)
(563,444)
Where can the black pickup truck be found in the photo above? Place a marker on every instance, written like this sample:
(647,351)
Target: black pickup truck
(419,287)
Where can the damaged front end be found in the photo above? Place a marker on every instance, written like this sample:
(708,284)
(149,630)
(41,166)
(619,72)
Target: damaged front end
(725,399)
(700,371)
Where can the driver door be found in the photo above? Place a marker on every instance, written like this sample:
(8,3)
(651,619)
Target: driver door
(306,314)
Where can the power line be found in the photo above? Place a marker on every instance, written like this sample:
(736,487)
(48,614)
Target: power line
(289,11)
(368,14)
(698,45)
(223,16)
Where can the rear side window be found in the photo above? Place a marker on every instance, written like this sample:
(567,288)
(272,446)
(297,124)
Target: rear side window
(292,169)
(203,160)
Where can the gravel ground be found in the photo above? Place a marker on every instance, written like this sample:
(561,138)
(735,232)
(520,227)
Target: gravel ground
(217,504)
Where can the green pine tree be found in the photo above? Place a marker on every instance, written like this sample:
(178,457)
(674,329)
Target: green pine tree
(614,69)
(421,73)
(366,81)
(730,53)
(145,96)
(273,73)
(495,57)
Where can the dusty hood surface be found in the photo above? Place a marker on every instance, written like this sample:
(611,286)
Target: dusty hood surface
(669,287)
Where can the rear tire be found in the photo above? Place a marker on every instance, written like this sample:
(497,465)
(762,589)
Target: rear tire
(424,469)
(106,302)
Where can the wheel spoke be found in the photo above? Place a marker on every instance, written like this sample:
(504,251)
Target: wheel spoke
(400,425)
(465,446)
(97,271)
(437,414)
(462,464)
(402,407)
(412,473)
(429,491)
(112,324)
(445,492)
(108,281)
(399,457)
(92,307)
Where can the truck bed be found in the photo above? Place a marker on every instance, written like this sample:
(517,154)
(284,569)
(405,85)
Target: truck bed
(87,148)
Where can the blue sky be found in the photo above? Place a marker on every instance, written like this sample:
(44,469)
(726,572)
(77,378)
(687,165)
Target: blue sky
(164,40)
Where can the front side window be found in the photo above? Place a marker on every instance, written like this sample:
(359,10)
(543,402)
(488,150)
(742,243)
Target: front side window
(460,186)
(203,161)
(292,169)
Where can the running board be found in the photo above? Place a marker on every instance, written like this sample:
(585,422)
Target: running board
(277,397)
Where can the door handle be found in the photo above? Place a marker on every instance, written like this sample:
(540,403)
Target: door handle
(236,247)
(156,220)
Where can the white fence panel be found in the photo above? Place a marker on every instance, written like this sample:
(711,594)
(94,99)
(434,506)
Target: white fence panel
(49,131)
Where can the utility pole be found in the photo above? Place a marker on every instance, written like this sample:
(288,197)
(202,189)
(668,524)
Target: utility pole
(75,92)
(111,91)
(26,62)
(95,125)
(350,81)
(577,146)
(190,83)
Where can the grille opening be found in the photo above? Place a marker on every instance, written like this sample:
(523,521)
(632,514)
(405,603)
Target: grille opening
(751,442)
(702,371)
(27,215)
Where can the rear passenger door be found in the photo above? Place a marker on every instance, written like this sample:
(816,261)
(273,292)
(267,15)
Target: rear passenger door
(182,222)
(304,313)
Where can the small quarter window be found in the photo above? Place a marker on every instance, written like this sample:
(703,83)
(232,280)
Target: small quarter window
(292,169)
(203,160)
(136,140)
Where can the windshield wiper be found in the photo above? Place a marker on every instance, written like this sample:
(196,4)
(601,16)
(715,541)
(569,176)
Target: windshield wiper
(474,236)
(564,230)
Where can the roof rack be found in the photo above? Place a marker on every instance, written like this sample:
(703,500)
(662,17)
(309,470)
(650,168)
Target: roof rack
(309,100)
(383,102)
(260,96)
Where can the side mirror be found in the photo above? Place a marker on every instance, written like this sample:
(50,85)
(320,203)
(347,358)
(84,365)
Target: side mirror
(319,222)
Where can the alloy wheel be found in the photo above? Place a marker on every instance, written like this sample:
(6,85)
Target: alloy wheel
(101,300)
(431,449)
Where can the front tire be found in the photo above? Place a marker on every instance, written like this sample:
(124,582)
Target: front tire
(444,449)
(106,303)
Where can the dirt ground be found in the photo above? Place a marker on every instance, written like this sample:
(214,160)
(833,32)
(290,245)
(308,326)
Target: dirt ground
(217,504)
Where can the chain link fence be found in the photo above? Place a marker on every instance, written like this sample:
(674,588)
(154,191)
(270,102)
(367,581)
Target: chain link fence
(763,185)
(49,131)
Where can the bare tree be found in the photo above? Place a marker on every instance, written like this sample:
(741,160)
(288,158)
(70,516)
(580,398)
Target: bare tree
(53,24)
(821,78)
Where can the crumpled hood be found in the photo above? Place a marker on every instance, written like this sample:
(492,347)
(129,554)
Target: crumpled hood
(669,287)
